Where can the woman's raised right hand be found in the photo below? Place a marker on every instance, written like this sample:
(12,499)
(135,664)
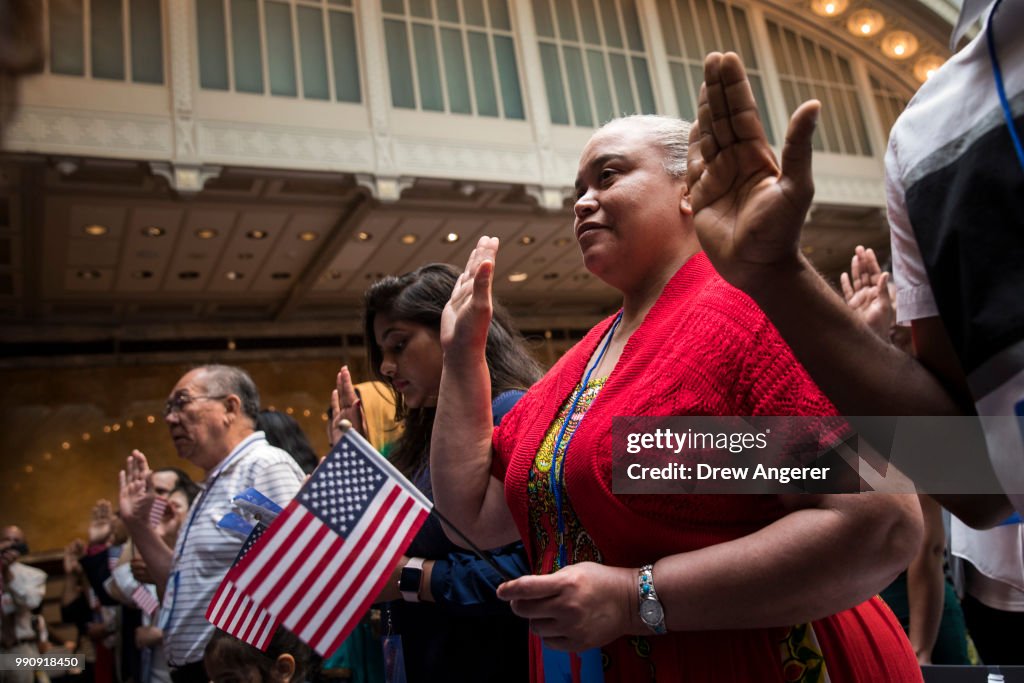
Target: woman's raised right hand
(467,316)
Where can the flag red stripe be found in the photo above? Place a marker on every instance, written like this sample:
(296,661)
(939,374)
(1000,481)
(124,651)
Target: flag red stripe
(301,619)
(263,541)
(370,565)
(296,560)
(377,586)
(305,589)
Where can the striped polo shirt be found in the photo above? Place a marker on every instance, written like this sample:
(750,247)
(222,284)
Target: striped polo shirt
(204,552)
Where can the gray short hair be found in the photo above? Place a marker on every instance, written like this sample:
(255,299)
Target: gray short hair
(224,380)
(673,134)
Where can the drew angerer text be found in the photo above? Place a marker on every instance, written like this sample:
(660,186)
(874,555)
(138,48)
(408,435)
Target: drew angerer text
(703,471)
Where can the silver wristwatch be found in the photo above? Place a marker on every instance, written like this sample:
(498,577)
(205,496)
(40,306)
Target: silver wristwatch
(651,611)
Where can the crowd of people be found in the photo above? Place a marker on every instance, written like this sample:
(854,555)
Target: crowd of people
(697,227)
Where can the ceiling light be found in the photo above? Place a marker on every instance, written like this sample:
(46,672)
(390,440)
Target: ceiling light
(206,233)
(188,275)
(926,66)
(280,276)
(256,234)
(899,44)
(88,275)
(335,274)
(865,23)
(561,241)
(234,275)
(142,274)
(308,236)
(517,277)
(527,240)
(550,276)
(363,236)
(409,238)
(95,230)
(451,237)
(245,256)
(153,231)
(828,8)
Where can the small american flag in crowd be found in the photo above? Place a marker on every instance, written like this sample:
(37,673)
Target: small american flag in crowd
(327,556)
(236,613)
(113,555)
(156,513)
(145,600)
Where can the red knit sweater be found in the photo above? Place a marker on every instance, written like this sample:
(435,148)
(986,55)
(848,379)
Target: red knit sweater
(705,348)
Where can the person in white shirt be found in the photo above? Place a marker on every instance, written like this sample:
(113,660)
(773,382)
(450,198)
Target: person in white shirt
(23,588)
(211,413)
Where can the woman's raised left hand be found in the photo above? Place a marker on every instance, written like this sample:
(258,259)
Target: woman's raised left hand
(578,607)
(467,316)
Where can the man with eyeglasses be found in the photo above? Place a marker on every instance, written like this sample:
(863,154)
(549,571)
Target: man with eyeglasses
(211,414)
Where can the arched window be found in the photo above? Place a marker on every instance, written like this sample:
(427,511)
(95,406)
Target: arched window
(890,99)
(453,56)
(594,60)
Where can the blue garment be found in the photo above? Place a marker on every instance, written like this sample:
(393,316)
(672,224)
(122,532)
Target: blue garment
(467,634)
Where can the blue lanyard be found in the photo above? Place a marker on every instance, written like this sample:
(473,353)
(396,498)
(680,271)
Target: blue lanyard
(557,474)
(1000,88)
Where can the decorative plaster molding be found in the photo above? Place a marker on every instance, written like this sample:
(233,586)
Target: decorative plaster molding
(185,179)
(225,142)
(833,189)
(462,161)
(62,131)
(386,189)
(549,198)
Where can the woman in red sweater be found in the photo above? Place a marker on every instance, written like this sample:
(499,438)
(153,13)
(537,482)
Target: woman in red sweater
(661,587)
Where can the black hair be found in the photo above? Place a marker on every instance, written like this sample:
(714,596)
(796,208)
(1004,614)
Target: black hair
(420,297)
(238,655)
(184,483)
(284,432)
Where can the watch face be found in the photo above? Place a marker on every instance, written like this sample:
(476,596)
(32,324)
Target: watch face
(651,612)
(409,581)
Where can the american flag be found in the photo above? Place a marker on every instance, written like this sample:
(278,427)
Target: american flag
(236,613)
(144,599)
(327,556)
(156,513)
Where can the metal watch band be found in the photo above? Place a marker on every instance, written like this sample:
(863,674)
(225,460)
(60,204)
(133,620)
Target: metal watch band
(651,611)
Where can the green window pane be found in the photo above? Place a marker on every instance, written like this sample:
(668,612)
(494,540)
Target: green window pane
(724,27)
(577,79)
(448,10)
(610,20)
(684,92)
(421,8)
(245,46)
(812,59)
(499,15)
(691,40)
(623,89)
(599,83)
(542,18)
(67,44)
(860,124)
(399,66)
(474,12)
(344,57)
(588,21)
(668,28)
(632,22)
(427,68)
(107,39)
(553,84)
(789,95)
(508,75)
(483,74)
(844,70)
(213,56)
(845,132)
(342,3)
(313,52)
(705,27)
(393,6)
(455,71)
(831,75)
(793,50)
(566,19)
(147,41)
(762,107)
(830,117)
(643,86)
(280,49)
(746,40)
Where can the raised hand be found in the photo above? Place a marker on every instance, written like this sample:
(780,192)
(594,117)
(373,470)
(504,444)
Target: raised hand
(578,607)
(345,405)
(467,316)
(73,552)
(748,209)
(866,290)
(136,493)
(100,523)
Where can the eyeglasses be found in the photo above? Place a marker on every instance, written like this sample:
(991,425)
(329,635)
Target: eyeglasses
(177,403)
